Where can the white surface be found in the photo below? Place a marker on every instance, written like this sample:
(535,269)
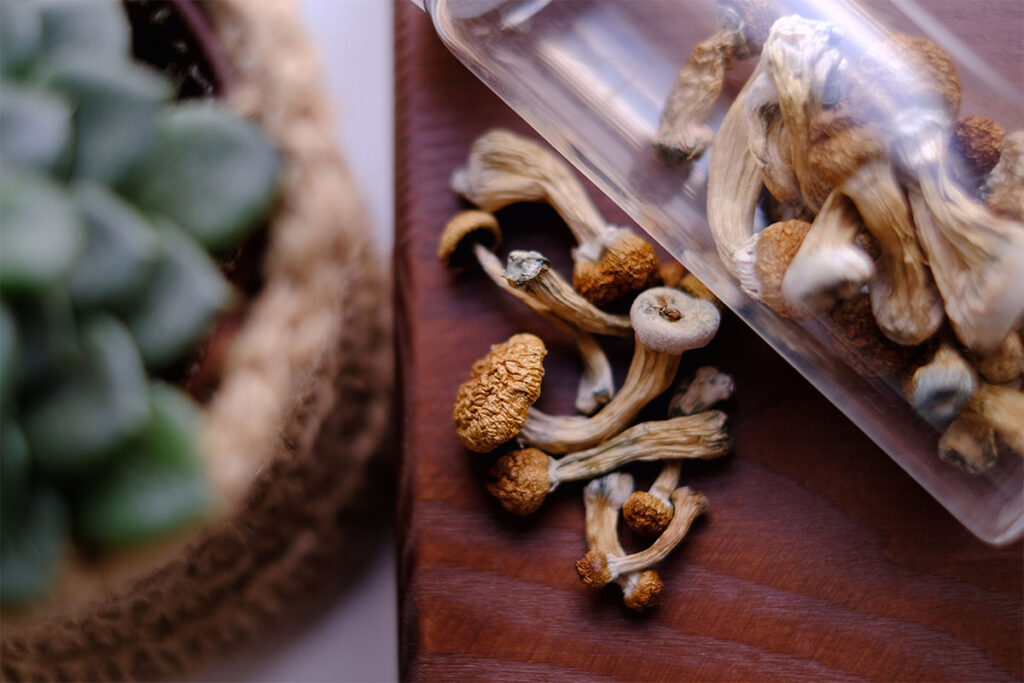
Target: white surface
(356,638)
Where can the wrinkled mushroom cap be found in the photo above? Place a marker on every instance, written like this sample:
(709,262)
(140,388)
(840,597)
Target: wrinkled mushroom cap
(490,407)
(455,247)
(645,514)
(627,264)
(667,320)
(593,570)
(978,141)
(645,592)
(520,480)
(775,250)
(862,344)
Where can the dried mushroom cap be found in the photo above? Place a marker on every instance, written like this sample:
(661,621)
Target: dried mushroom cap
(464,229)
(491,406)
(861,343)
(1004,187)
(646,514)
(643,590)
(520,480)
(669,321)
(672,273)
(775,250)
(978,141)
(970,444)
(626,265)
(1005,364)
(751,20)
(1003,409)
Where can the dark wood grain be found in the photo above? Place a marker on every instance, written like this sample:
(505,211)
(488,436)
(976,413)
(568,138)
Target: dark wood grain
(819,559)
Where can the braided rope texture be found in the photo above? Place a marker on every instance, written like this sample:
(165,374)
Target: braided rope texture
(303,408)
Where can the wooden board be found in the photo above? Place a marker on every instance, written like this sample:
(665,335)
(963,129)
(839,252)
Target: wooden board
(819,559)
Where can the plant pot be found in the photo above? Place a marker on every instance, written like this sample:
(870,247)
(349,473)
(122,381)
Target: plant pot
(302,405)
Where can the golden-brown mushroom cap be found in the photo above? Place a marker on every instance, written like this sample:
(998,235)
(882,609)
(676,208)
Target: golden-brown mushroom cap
(466,227)
(775,250)
(862,344)
(644,594)
(978,140)
(593,570)
(520,480)
(627,265)
(645,514)
(490,407)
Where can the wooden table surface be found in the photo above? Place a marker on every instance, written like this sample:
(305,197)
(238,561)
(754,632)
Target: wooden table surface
(819,558)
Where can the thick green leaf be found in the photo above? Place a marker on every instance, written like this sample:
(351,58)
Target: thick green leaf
(35,127)
(20,35)
(10,354)
(14,468)
(96,407)
(212,173)
(120,251)
(156,485)
(31,548)
(116,109)
(40,232)
(180,302)
(85,26)
(46,335)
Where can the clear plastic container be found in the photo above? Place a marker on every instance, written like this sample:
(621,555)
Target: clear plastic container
(591,76)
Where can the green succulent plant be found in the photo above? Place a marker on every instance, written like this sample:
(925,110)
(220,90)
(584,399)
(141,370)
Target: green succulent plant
(114,197)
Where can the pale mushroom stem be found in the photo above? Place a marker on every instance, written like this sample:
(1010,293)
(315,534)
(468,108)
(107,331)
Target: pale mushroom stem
(688,506)
(530,272)
(904,299)
(667,480)
(700,436)
(734,182)
(830,265)
(650,373)
(596,387)
(682,132)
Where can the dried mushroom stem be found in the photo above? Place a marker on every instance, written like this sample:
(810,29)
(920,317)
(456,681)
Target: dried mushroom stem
(734,183)
(602,499)
(682,132)
(522,479)
(666,322)
(598,569)
(505,168)
(1004,187)
(830,264)
(941,387)
(970,444)
(648,512)
(988,425)
(477,228)
(530,272)
(1003,409)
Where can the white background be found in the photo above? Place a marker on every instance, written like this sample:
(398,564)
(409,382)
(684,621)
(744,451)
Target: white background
(356,637)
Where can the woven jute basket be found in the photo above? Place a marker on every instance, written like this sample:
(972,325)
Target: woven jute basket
(301,410)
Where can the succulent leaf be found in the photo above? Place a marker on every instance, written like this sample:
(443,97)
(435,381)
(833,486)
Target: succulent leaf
(20,34)
(46,337)
(121,249)
(30,552)
(15,463)
(180,301)
(85,26)
(10,353)
(156,485)
(35,127)
(116,105)
(212,173)
(95,407)
(40,232)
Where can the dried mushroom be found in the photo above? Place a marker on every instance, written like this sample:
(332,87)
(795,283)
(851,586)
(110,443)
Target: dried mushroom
(940,388)
(1004,186)
(491,406)
(602,499)
(598,569)
(1005,365)
(765,259)
(977,142)
(666,323)
(610,263)
(522,479)
(682,132)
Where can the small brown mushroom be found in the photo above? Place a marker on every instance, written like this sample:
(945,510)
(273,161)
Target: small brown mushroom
(1003,409)
(598,569)
(1004,187)
(764,260)
(829,265)
(602,499)
(940,388)
(522,479)
(475,234)
(666,323)
(1006,364)
(610,263)
(682,132)
(530,272)
(491,406)
(647,513)
(976,143)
